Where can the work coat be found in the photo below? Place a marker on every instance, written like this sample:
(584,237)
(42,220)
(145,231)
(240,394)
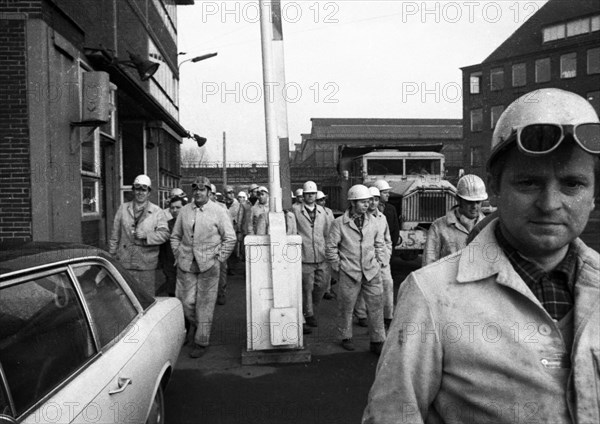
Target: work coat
(357,253)
(471,343)
(382,222)
(204,233)
(255,212)
(313,233)
(446,236)
(134,253)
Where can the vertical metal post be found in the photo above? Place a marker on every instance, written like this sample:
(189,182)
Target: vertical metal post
(224,162)
(269,78)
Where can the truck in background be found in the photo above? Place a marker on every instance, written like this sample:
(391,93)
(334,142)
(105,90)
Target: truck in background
(419,192)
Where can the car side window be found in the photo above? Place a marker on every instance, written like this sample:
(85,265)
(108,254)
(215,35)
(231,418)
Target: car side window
(44,336)
(110,308)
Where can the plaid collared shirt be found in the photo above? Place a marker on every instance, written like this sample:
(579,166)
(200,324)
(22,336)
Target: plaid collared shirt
(554,289)
(359,220)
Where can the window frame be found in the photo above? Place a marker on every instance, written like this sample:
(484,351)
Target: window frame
(475,76)
(495,74)
(515,73)
(588,55)
(537,69)
(563,61)
(473,130)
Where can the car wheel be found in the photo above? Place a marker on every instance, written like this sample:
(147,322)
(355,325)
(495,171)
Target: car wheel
(157,410)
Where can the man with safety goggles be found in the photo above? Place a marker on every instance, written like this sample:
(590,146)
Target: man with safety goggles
(511,324)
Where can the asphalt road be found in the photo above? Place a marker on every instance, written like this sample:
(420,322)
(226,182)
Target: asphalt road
(332,388)
(217,389)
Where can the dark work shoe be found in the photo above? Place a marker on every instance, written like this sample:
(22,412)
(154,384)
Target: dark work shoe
(311,321)
(362,322)
(348,344)
(306,329)
(189,337)
(376,347)
(221,300)
(198,351)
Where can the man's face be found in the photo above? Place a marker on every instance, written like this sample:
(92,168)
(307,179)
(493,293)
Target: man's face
(309,198)
(359,207)
(253,193)
(263,197)
(469,209)
(300,199)
(175,207)
(141,193)
(321,202)
(544,202)
(241,199)
(373,203)
(230,195)
(201,195)
(385,196)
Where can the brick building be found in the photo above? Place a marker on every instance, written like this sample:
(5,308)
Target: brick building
(559,46)
(63,175)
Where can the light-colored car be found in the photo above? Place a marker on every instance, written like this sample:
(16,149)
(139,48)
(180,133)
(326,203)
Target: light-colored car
(80,342)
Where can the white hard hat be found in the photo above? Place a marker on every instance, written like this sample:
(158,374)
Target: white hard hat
(320,195)
(253,187)
(299,192)
(177,192)
(543,106)
(242,194)
(374,191)
(359,192)
(142,180)
(309,187)
(213,188)
(472,188)
(381,185)
(263,188)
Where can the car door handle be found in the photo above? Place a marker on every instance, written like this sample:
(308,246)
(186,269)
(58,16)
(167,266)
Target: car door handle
(123,383)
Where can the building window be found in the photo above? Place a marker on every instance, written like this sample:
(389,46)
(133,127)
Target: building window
(571,29)
(519,77)
(542,70)
(110,128)
(475,83)
(90,165)
(554,32)
(568,65)
(593,61)
(595,23)
(497,79)
(495,114)
(475,157)
(578,27)
(476,120)
(594,98)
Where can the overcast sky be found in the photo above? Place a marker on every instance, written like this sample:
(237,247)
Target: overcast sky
(343,59)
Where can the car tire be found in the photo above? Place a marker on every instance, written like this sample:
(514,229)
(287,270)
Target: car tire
(157,409)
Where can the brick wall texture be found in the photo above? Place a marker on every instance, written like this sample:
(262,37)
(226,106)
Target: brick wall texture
(15,174)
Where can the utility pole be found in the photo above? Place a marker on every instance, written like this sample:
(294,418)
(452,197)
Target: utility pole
(224,161)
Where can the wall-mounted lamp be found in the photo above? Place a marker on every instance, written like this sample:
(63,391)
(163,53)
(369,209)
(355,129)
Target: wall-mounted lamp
(201,141)
(197,58)
(145,68)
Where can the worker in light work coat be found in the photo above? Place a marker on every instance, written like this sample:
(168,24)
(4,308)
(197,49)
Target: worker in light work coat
(261,207)
(312,224)
(449,233)
(508,329)
(356,250)
(202,240)
(360,310)
(139,228)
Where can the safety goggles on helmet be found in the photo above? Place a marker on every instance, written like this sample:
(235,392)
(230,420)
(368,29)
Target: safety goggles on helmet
(140,187)
(199,187)
(540,139)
